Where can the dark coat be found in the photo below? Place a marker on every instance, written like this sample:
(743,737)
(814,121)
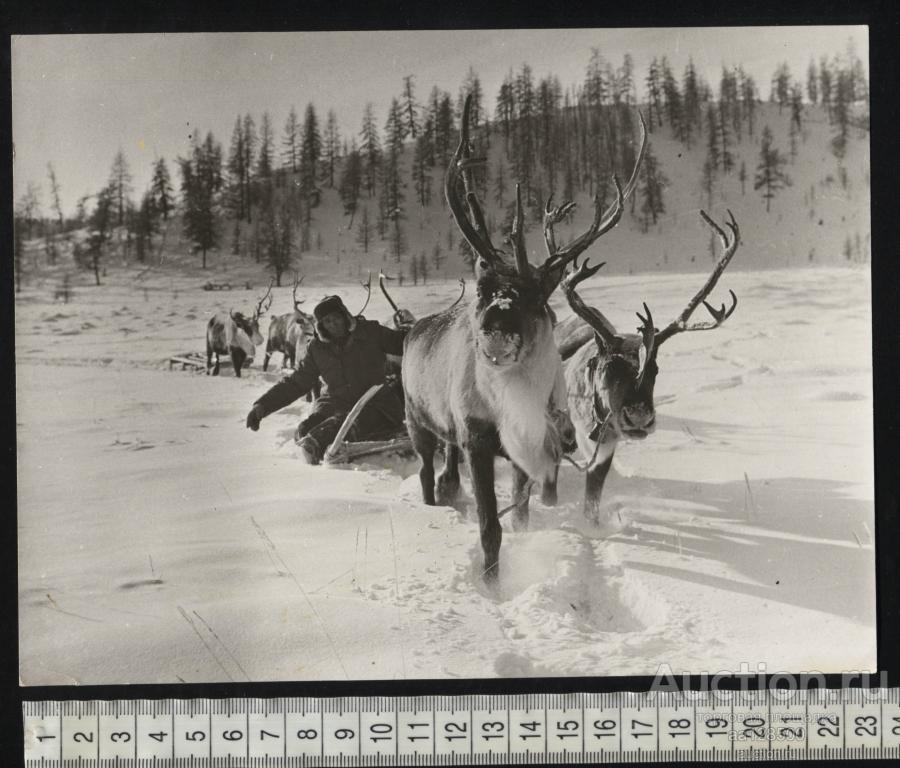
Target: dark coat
(348,368)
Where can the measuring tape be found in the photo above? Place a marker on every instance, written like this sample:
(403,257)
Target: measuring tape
(462,730)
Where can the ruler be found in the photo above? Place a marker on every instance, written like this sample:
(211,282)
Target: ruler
(463,730)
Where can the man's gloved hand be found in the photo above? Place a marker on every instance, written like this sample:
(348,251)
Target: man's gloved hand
(403,318)
(253,418)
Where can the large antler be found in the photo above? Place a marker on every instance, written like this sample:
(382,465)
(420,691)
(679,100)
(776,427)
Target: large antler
(260,310)
(368,286)
(720,315)
(460,168)
(603,221)
(462,292)
(593,317)
(297,302)
(381,278)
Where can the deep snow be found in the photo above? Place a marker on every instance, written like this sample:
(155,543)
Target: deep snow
(161,541)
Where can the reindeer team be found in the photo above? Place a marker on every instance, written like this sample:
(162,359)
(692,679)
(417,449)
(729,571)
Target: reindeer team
(496,376)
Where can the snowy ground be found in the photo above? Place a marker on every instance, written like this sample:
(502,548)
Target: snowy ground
(160,541)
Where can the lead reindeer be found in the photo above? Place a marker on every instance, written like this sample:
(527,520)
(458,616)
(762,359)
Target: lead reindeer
(234,334)
(485,376)
(610,382)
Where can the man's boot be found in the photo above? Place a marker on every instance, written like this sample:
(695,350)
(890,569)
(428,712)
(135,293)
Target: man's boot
(309,450)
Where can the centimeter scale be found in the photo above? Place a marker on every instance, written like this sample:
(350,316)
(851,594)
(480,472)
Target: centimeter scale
(464,730)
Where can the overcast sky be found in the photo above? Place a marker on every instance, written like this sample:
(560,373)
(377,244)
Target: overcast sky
(77,99)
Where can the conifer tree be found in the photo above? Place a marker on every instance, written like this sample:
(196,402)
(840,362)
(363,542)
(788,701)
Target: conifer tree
(725,154)
(796,124)
(770,176)
(841,114)
(652,183)
(290,152)
(120,185)
(364,230)
(672,98)
(264,160)
(410,109)
(692,109)
(161,189)
(201,180)
(421,176)
(237,158)
(249,146)
(55,203)
(370,150)
(351,182)
(812,83)
(781,86)
(654,95)
(472,85)
(331,146)
(712,142)
(825,84)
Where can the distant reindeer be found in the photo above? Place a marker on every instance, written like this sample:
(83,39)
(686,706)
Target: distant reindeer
(235,335)
(289,334)
(610,382)
(485,376)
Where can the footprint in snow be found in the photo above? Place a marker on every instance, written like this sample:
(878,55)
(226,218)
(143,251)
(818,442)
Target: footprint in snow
(129,585)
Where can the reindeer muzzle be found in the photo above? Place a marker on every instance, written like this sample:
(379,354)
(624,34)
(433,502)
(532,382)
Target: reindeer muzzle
(637,423)
(500,348)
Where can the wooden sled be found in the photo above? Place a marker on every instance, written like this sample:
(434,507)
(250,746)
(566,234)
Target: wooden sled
(343,452)
(189,360)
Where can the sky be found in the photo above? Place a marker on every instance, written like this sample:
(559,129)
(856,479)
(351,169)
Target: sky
(78,99)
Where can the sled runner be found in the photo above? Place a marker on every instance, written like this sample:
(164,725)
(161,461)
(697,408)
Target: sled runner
(189,360)
(342,451)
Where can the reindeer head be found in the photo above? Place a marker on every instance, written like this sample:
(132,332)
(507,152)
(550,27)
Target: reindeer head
(510,313)
(623,372)
(250,325)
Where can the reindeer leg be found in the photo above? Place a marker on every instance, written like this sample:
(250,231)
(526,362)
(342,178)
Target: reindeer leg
(216,367)
(481,448)
(521,490)
(209,354)
(424,443)
(448,479)
(593,488)
(237,359)
(268,355)
(549,495)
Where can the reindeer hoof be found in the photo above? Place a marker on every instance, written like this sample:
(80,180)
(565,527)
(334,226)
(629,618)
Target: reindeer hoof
(447,493)
(520,521)
(549,497)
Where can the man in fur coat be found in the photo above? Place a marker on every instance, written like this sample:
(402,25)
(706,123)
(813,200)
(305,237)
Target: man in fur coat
(350,355)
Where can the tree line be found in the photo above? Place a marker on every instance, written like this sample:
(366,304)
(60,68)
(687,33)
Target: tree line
(555,142)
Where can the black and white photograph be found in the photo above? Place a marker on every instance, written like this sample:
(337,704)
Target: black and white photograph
(404,355)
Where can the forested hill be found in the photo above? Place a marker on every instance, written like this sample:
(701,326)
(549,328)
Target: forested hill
(794,170)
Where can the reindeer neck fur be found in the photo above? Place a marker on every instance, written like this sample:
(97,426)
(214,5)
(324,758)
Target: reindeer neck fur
(518,397)
(235,336)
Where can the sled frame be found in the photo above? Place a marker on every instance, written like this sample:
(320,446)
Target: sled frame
(342,452)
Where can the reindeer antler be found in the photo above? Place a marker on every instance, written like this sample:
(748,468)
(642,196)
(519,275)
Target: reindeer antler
(603,221)
(593,317)
(297,280)
(381,278)
(368,286)
(460,168)
(260,310)
(720,315)
(462,285)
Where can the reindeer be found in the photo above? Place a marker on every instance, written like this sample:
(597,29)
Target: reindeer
(235,335)
(610,383)
(287,331)
(485,376)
